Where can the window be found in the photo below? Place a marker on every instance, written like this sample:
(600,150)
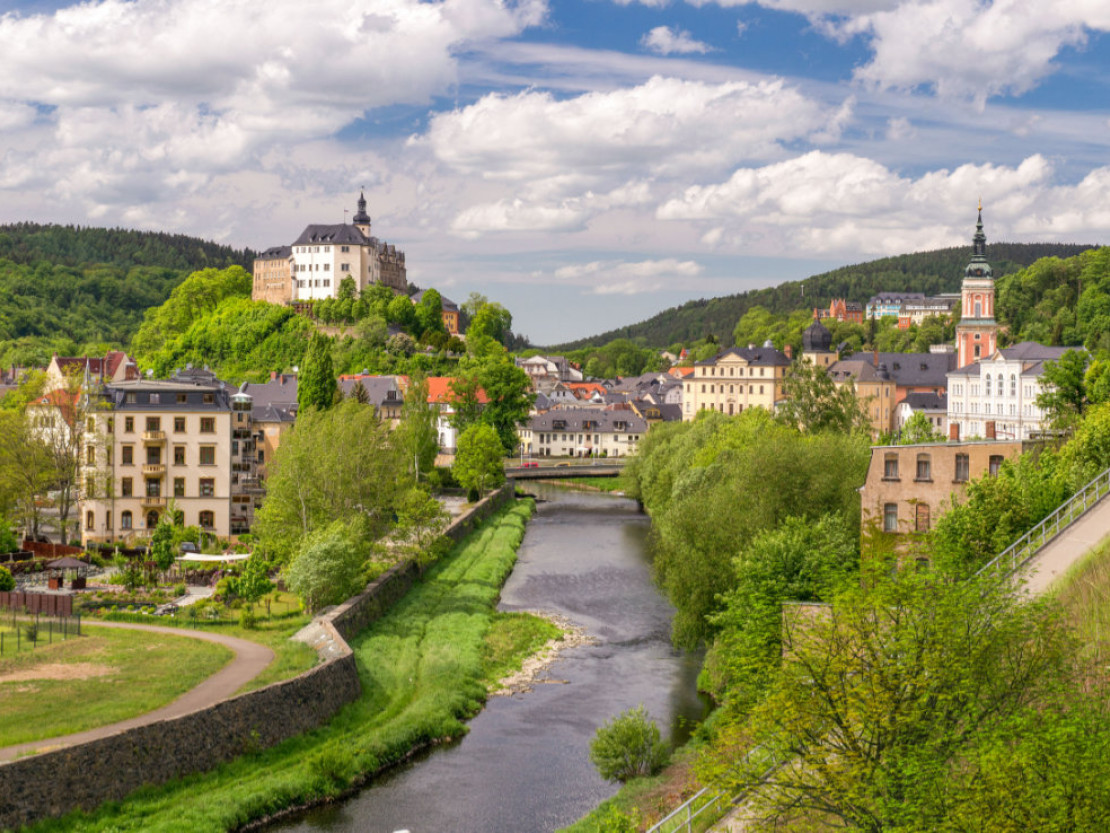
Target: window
(179,425)
(995,465)
(1013,384)
(179,455)
(179,487)
(890,517)
(209,399)
(90,455)
(125,487)
(922,520)
(208,455)
(963,468)
(129,398)
(110,425)
(129,424)
(155,399)
(153,424)
(890,467)
(125,520)
(207,425)
(988,384)
(207,487)
(924,467)
(207,519)
(127,455)
(182,398)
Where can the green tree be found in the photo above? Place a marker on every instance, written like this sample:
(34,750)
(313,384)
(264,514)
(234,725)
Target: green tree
(348,290)
(26,469)
(882,704)
(421,521)
(417,435)
(254,582)
(509,398)
(429,314)
(628,746)
(479,461)
(1063,397)
(338,464)
(7,582)
(316,384)
(813,402)
(918,429)
(161,543)
(198,295)
(491,321)
(401,312)
(327,568)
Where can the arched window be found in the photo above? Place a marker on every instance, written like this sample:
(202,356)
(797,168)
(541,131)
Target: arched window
(125,520)
(207,519)
(1001,388)
(151,519)
(978,308)
(1013,384)
(90,520)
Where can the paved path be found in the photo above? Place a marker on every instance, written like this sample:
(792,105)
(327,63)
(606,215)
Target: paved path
(1068,548)
(249,661)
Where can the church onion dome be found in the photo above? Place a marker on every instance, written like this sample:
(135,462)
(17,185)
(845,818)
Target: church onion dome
(978,267)
(816,338)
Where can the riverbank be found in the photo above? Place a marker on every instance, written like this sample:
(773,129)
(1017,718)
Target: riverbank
(421,672)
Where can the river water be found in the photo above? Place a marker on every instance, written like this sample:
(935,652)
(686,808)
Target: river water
(524,765)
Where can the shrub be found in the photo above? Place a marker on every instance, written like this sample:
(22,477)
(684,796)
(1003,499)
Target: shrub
(180,589)
(627,746)
(31,631)
(6,580)
(248,618)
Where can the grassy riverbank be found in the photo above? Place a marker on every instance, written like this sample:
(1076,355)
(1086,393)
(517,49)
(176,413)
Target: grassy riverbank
(99,678)
(422,674)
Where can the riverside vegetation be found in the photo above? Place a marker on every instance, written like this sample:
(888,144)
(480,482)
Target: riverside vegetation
(422,673)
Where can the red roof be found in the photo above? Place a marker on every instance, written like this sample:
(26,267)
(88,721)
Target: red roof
(439,390)
(64,401)
(681,372)
(584,390)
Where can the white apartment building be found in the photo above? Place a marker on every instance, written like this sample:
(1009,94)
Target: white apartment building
(997,396)
(583,432)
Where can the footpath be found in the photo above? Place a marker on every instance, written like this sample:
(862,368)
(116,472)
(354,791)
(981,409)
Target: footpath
(249,661)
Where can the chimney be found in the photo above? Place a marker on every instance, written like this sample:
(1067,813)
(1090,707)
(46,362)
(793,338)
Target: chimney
(875,357)
(788,351)
(954,432)
(990,430)
(273,375)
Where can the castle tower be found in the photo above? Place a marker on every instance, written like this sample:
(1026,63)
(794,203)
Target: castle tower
(817,344)
(361,220)
(977,332)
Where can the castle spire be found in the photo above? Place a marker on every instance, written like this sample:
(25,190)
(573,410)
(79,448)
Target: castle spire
(361,218)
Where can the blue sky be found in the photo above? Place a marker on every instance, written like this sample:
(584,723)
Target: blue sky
(586,162)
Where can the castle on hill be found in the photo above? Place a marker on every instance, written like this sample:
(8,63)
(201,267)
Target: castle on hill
(317,262)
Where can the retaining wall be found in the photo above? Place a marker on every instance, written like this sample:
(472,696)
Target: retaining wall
(85,776)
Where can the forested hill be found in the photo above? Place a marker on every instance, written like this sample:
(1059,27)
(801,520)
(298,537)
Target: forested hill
(30,243)
(932,272)
(66,288)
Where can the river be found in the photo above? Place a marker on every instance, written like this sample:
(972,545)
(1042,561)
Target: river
(524,765)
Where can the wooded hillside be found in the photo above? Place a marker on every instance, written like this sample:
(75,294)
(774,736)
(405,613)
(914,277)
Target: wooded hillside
(930,272)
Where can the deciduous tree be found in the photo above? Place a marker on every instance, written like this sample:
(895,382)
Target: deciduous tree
(479,461)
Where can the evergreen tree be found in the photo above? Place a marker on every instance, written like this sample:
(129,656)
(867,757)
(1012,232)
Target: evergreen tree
(316,384)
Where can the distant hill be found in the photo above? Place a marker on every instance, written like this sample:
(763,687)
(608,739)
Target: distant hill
(62,287)
(931,272)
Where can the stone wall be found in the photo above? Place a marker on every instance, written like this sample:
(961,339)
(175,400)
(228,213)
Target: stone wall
(85,776)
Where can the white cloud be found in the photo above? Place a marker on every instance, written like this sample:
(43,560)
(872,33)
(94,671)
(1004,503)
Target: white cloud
(616,277)
(662,126)
(828,203)
(664,40)
(899,128)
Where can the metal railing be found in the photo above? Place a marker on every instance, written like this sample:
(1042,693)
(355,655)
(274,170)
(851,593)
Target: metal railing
(1014,557)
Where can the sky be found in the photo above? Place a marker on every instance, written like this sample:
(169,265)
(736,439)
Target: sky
(587,163)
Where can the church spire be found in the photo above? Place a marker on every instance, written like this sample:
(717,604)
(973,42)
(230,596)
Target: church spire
(978,267)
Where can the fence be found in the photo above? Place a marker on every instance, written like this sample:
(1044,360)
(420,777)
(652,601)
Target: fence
(1011,559)
(24,631)
(48,603)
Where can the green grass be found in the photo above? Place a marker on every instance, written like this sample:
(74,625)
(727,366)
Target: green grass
(102,677)
(422,674)
(511,639)
(593,484)
(1084,593)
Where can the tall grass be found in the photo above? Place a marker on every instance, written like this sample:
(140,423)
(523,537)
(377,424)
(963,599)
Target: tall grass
(1084,594)
(421,670)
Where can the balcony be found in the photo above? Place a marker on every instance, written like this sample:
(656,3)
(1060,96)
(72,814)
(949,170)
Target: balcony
(153,501)
(154,469)
(154,437)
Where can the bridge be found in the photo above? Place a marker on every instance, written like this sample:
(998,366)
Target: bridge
(564,469)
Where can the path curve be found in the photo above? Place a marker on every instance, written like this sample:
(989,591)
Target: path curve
(249,661)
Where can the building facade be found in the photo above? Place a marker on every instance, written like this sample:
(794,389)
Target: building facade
(909,486)
(997,397)
(580,432)
(183,443)
(734,380)
(322,256)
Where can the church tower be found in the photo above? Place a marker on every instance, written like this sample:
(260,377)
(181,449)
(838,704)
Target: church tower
(977,332)
(361,220)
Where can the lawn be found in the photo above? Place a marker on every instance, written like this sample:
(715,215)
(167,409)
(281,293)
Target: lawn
(422,673)
(99,678)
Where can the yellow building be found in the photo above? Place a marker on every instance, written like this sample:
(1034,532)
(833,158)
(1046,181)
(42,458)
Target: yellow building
(736,379)
(874,388)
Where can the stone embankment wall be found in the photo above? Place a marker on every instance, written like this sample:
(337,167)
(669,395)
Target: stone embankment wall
(84,776)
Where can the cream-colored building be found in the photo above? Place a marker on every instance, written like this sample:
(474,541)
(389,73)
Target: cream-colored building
(323,256)
(185,442)
(583,432)
(734,380)
(873,387)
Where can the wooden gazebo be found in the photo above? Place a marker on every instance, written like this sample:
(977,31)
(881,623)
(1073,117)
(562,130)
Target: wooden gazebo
(59,568)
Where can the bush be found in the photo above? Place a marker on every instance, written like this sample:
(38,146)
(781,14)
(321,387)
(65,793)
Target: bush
(248,618)
(180,589)
(628,746)
(473,495)
(6,580)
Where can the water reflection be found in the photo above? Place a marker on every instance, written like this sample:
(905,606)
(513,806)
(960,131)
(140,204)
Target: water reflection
(524,765)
